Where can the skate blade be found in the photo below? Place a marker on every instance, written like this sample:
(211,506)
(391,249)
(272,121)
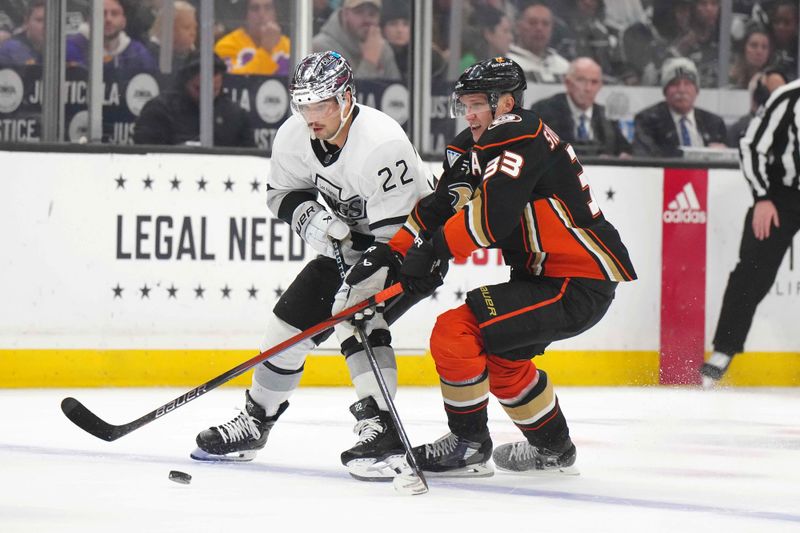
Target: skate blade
(373,470)
(482,470)
(234,457)
(563,471)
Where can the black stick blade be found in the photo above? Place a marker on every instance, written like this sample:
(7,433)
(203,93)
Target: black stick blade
(88,421)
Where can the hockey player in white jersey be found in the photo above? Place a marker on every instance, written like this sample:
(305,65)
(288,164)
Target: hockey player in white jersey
(359,162)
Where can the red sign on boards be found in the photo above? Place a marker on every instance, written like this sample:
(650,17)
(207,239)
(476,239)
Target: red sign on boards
(683,275)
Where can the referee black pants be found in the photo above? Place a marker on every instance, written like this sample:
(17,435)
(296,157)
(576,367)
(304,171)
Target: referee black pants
(755,273)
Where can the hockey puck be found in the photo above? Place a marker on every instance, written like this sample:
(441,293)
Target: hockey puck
(180,477)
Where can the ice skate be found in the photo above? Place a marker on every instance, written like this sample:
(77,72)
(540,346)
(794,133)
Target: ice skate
(378,455)
(454,456)
(713,369)
(237,440)
(524,457)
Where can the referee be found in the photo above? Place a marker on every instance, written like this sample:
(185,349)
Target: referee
(770,160)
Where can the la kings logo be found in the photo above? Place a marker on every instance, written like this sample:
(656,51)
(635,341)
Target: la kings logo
(685,208)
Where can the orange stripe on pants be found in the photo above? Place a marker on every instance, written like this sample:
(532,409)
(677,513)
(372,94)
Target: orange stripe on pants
(458,351)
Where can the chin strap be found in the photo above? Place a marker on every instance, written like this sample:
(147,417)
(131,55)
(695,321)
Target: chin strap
(343,117)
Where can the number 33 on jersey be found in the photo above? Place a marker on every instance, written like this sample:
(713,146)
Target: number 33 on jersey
(535,203)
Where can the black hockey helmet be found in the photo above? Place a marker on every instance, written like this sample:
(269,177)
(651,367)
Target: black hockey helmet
(491,77)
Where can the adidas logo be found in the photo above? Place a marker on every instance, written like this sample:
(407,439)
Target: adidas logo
(685,208)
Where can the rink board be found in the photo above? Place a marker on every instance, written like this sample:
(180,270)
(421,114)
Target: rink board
(161,269)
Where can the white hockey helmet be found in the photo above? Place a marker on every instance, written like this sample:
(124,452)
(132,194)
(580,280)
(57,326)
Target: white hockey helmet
(320,77)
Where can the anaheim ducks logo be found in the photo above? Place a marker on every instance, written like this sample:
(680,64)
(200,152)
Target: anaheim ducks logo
(505,119)
(460,194)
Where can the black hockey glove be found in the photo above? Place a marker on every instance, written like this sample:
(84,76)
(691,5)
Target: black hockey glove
(425,266)
(375,270)
(374,258)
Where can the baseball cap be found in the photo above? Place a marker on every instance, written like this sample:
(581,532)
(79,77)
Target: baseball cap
(356,3)
(678,67)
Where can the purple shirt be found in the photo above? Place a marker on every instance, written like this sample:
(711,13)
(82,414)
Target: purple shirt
(19,51)
(134,58)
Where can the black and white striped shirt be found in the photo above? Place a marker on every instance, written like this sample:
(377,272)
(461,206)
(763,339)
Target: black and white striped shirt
(770,149)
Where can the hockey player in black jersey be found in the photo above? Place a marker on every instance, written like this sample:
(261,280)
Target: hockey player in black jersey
(359,162)
(509,183)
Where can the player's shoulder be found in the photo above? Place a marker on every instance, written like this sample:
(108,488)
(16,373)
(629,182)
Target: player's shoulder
(376,126)
(519,125)
(375,138)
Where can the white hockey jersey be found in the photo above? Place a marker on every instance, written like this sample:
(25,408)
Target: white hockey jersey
(371,184)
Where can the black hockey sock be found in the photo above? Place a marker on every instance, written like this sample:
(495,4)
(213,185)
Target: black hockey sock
(470,422)
(550,432)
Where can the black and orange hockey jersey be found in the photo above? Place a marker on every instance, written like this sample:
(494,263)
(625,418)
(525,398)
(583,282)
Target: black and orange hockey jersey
(454,188)
(528,197)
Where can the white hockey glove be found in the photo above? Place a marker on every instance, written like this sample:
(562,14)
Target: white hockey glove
(317,226)
(375,270)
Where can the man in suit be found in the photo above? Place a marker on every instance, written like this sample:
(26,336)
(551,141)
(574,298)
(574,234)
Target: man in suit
(661,130)
(576,117)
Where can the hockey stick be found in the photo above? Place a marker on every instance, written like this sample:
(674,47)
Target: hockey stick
(91,423)
(406,485)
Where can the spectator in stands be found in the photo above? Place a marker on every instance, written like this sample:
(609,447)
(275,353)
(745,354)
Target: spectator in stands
(173,117)
(184,33)
(26,47)
(354,31)
(120,51)
(6,27)
(701,42)
(621,14)
(646,45)
(760,87)
(587,36)
(662,129)
(12,16)
(507,7)
(493,36)
(577,118)
(141,16)
(783,21)
(260,47)
(322,12)
(532,50)
(753,56)
(396,30)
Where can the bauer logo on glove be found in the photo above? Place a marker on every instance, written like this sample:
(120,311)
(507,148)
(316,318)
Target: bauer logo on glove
(317,226)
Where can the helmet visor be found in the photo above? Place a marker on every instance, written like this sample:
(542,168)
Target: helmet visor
(316,111)
(465,104)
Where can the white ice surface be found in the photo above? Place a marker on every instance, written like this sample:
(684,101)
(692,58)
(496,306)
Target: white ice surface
(651,459)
